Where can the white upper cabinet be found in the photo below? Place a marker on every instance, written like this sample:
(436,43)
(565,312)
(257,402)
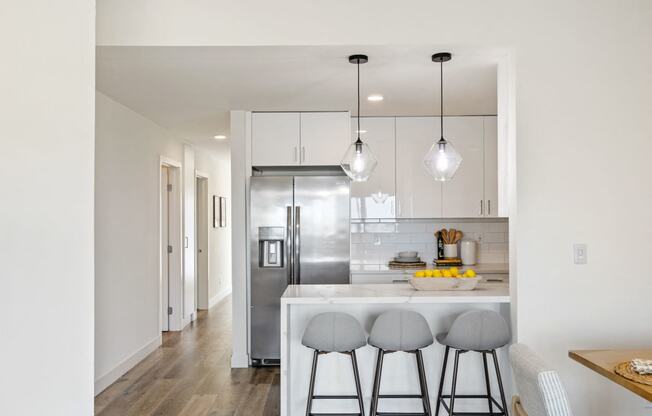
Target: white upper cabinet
(294,139)
(418,194)
(324,138)
(491,167)
(275,139)
(376,198)
(463,196)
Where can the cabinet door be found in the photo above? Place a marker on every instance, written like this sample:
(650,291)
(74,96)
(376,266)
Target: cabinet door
(275,139)
(491,166)
(376,198)
(418,194)
(463,196)
(324,138)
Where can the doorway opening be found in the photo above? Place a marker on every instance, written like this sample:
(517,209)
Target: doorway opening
(202,299)
(170,246)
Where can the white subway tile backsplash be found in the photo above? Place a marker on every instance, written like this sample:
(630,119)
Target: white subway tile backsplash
(380,228)
(378,243)
(410,227)
(493,238)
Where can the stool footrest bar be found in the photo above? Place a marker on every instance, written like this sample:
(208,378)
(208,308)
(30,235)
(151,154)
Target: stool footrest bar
(334,397)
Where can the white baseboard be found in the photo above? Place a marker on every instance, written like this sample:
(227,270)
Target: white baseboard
(239,361)
(219,296)
(127,364)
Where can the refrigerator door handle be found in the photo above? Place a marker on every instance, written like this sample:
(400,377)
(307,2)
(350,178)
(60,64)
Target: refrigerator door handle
(289,257)
(297,245)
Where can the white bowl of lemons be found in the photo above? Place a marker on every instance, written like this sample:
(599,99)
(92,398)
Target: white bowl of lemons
(445,279)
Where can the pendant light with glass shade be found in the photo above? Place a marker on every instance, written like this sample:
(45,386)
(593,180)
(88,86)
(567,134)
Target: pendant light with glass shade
(358,161)
(442,160)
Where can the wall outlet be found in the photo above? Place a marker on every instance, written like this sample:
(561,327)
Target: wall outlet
(579,253)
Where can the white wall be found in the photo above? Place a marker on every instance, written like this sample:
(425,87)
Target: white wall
(584,78)
(47,88)
(218,168)
(127,160)
(128,152)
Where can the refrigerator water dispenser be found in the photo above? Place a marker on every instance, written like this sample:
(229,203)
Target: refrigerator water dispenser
(271,242)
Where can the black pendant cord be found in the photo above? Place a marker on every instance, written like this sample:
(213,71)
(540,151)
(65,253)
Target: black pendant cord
(358,100)
(441,98)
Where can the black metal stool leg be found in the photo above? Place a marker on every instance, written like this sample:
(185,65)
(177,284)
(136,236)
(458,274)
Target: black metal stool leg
(311,391)
(488,383)
(376,391)
(356,375)
(500,383)
(454,385)
(425,398)
(441,382)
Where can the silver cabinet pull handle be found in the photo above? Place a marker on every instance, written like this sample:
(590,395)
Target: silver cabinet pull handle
(481,207)
(303,153)
(489,207)
(297,246)
(289,259)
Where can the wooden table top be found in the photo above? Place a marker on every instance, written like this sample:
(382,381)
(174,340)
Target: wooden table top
(604,361)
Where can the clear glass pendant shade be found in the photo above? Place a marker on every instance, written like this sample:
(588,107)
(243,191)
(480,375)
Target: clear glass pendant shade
(358,162)
(442,161)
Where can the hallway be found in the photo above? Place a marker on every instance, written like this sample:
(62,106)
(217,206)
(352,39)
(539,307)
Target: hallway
(190,375)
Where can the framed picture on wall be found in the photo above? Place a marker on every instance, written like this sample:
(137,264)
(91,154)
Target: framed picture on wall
(219,211)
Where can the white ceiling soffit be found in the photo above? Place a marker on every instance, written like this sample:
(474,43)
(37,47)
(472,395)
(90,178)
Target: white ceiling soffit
(190,90)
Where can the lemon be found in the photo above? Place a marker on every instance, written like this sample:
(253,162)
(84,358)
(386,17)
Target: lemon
(454,271)
(428,273)
(436,273)
(420,274)
(446,273)
(469,273)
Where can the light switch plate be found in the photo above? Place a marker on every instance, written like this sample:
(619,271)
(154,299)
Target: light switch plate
(579,253)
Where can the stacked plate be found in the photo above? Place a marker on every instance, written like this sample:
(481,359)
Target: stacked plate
(407,257)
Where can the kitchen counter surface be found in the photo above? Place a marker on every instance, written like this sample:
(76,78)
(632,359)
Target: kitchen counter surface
(480,268)
(395,293)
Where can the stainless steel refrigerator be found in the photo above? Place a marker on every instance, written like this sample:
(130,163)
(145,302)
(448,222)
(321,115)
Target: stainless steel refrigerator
(300,234)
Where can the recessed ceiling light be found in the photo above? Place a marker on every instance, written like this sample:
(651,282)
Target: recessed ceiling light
(375,97)
(219,137)
(361,131)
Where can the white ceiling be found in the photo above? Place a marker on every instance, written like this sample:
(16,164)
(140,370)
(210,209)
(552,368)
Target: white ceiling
(190,90)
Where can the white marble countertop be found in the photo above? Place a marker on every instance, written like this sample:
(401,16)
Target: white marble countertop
(480,268)
(395,293)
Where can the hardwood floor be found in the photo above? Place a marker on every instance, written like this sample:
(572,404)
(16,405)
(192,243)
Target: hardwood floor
(190,375)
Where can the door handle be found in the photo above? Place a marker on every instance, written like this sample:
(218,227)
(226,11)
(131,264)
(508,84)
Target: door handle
(297,245)
(303,153)
(489,207)
(289,258)
(481,207)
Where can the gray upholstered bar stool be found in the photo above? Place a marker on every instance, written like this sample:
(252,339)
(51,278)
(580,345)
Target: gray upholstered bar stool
(334,332)
(480,331)
(405,331)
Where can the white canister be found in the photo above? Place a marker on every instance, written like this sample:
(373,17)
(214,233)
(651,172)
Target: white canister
(450,251)
(469,252)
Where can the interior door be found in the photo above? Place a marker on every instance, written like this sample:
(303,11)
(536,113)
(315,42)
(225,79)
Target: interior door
(271,220)
(463,196)
(165,244)
(322,230)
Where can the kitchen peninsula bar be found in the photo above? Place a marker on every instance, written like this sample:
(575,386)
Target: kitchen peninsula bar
(366,302)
